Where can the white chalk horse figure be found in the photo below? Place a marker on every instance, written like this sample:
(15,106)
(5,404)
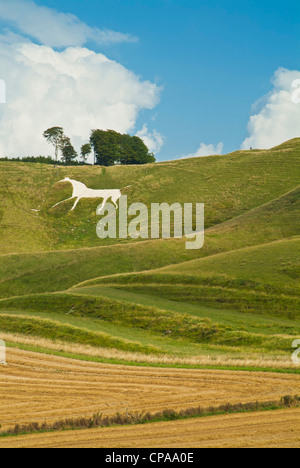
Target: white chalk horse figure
(81,191)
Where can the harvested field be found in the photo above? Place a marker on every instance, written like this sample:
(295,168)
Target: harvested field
(41,388)
(276,429)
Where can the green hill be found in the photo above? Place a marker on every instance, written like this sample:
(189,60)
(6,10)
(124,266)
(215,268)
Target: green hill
(228,185)
(22,273)
(263,279)
(237,296)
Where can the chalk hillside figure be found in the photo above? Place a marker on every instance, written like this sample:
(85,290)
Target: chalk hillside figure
(81,191)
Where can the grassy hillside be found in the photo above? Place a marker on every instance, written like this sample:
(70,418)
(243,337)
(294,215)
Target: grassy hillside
(262,280)
(274,221)
(237,296)
(228,185)
(276,264)
(57,271)
(183,328)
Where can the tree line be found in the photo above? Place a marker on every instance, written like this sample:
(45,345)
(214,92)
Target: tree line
(108,146)
(43,160)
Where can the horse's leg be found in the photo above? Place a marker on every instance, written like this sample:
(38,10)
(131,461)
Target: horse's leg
(114,200)
(102,206)
(67,199)
(75,204)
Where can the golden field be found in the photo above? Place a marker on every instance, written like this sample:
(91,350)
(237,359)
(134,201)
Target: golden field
(41,388)
(278,429)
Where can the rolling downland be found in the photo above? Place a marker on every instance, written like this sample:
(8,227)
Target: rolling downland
(112,304)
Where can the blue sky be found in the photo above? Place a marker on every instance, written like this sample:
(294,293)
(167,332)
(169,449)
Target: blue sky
(213,60)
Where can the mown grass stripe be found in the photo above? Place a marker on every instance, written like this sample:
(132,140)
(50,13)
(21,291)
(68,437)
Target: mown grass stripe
(52,330)
(153,363)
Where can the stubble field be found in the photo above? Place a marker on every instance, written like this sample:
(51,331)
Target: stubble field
(41,388)
(279,429)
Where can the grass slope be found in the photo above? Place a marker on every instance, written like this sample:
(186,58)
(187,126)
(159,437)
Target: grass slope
(174,325)
(49,329)
(276,264)
(261,280)
(228,185)
(57,271)
(238,295)
(246,322)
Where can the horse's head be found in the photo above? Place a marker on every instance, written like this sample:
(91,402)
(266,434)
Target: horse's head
(66,179)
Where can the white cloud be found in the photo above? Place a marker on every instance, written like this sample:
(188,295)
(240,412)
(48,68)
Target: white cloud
(278,117)
(154,141)
(205,150)
(54,28)
(77,89)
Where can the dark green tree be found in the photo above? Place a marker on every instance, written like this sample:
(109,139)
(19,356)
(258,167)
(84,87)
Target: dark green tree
(134,151)
(105,145)
(68,151)
(54,136)
(85,151)
(111,148)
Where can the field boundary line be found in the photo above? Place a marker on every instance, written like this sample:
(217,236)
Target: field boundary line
(141,359)
(137,418)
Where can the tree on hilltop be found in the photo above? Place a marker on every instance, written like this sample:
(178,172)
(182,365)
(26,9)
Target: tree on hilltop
(111,148)
(54,136)
(85,151)
(67,149)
